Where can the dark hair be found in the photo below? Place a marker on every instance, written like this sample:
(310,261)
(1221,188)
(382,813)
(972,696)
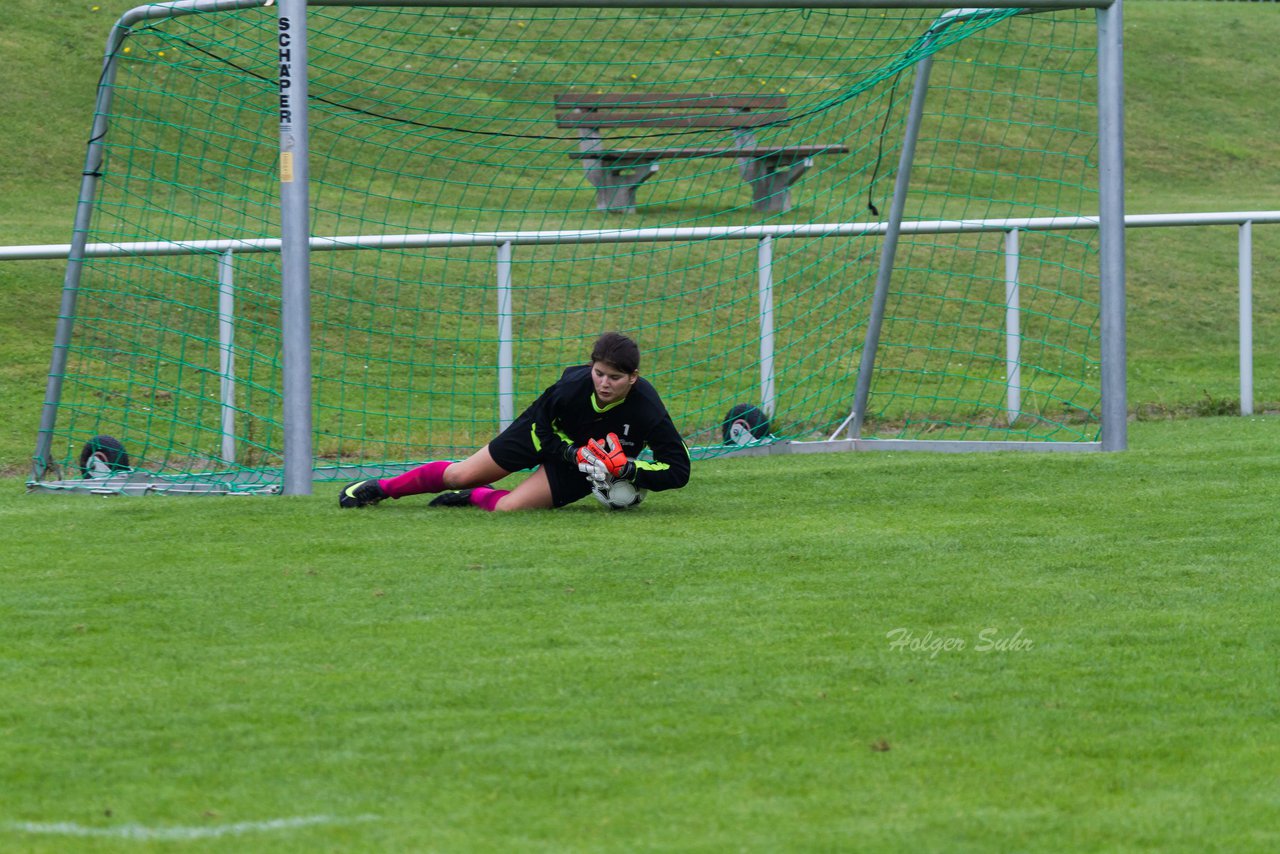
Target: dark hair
(617,350)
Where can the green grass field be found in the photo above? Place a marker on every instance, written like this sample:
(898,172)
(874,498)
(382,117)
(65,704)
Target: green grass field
(913,653)
(876,652)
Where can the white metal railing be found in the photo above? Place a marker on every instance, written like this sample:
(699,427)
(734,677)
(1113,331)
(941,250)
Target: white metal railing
(504,242)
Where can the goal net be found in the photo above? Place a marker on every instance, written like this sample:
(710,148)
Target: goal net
(491,188)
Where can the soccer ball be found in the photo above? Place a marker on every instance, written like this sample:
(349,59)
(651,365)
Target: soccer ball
(619,495)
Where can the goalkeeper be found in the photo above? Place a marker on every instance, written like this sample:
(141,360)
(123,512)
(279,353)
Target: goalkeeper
(585,430)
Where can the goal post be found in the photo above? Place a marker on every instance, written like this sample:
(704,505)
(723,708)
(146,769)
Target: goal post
(295,251)
(324,240)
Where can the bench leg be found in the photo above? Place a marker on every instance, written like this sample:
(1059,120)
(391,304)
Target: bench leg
(771,179)
(616,187)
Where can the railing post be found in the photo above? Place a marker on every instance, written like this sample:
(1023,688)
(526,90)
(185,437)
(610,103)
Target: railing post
(1012,327)
(1245,250)
(506,337)
(226,353)
(764,265)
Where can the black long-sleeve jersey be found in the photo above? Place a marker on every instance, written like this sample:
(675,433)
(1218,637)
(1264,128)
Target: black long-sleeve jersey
(566,414)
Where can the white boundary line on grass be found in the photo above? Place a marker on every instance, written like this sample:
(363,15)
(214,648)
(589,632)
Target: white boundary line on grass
(143,833)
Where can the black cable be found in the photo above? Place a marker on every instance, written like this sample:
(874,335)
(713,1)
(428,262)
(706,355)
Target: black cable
(880,148)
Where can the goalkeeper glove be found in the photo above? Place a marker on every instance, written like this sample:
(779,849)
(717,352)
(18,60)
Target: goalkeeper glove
(590,465)
(615,460)
(576,454)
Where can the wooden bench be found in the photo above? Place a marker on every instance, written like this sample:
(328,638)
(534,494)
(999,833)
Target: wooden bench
(616,173)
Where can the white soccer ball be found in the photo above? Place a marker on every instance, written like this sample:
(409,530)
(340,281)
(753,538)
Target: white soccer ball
(619,495)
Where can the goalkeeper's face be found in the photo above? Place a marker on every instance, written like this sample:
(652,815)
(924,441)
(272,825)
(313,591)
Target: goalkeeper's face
(611,384)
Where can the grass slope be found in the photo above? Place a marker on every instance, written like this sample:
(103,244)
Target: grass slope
(1199,79)
(916,652)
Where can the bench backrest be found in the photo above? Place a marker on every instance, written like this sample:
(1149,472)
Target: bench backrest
(670,109)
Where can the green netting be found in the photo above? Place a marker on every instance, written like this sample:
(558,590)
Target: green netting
(433,122)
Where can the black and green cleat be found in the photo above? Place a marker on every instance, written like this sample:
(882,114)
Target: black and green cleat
(461,498)
(362,493)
